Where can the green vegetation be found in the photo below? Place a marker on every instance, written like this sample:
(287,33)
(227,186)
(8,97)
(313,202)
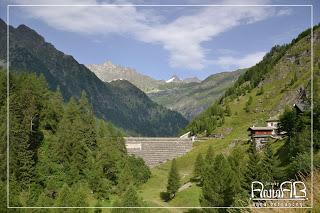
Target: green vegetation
(283,159)
(297,126)
(190,99)
(198,167)
(206,122)
(218,179)
(209,120)
(60,154)
(173,180)
(129,199)
(258,73)
(260,92)
(247,108)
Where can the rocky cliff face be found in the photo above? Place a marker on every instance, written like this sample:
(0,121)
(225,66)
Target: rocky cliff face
(29,52)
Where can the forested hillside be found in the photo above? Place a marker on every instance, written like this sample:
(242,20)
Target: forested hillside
(29,52)
(224,168)
(60,154)
(276,81)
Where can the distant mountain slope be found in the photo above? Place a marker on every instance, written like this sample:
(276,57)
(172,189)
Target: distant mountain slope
(280,80)
(108,72)
(129,109)
(190,99)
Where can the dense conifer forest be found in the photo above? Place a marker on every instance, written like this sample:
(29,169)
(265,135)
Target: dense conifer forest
(60,153)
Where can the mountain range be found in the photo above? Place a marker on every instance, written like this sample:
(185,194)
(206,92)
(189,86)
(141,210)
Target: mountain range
(188,96)
(119,102)
(192,98)
(108,71)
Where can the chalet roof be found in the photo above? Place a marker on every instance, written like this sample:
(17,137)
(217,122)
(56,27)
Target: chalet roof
(262,128)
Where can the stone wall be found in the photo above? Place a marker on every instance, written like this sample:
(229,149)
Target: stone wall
(155,151)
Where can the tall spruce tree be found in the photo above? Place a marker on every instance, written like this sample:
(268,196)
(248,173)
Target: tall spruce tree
(252,171)
(173,180)
(125,178)
(218,184)
(209,155)
(53,112)
(88,129)
(198,167)
(268,166)
(238,165)
(25,136)
(129,199)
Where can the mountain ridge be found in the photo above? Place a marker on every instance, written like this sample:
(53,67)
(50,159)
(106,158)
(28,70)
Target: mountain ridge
(268,88)
(192,98)
(29,52)
(107,72)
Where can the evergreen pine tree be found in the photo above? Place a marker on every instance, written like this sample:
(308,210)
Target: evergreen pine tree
(252,171)
(25,136)
(88,128)
(198,167)
(72,150)
(209,155)
(173,179)
(269,172)
(129,199)
(125,178)
(72,196)
(238,165)
(218,184)
(53,111)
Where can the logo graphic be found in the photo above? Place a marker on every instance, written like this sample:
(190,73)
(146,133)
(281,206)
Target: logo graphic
(287,193)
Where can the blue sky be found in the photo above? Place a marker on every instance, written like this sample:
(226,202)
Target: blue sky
(163,41)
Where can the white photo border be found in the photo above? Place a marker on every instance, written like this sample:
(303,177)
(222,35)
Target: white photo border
(157,5)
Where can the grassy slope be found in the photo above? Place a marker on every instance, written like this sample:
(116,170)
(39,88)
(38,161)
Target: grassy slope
(268,104)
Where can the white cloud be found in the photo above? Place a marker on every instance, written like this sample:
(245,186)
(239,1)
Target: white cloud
(240,62)
(182,37)
(89,20)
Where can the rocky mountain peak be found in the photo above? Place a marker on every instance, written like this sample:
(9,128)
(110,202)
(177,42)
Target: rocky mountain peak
(29,34)
(109,64)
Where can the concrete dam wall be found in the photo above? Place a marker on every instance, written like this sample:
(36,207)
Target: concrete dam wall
(155,151)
